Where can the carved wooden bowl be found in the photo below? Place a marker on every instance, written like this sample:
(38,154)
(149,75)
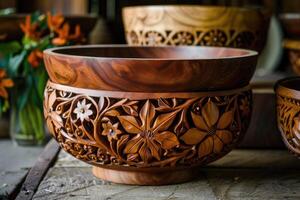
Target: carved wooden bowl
(291,24)
(196,25)
(288,112)
(150,69)
(293,47)
(146,138)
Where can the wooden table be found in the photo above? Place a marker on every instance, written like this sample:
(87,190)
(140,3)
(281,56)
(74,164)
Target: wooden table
(242,174)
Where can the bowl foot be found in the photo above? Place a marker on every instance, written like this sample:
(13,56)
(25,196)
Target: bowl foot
(146,177)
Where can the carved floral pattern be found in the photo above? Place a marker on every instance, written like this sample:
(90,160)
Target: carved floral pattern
(146,133)
(288,118)
(215,37)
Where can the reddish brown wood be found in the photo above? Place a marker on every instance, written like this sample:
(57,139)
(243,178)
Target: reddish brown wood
(196,25)
(146,133)
(288,108)
(291,24)
(150,69)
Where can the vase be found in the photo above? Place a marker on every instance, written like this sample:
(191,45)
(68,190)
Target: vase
(26,115)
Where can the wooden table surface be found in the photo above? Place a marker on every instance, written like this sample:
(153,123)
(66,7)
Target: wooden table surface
(241,175)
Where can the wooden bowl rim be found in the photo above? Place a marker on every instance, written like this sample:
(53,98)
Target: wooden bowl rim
(144,95)
(209,7)
(286,91)
(51,52)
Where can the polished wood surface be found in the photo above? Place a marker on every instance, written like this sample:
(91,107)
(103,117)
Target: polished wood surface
(146,134)
(293,48)
(196,25)
(150,69)
(288,108)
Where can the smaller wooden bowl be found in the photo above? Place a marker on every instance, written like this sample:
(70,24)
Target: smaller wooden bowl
(291,24)
(150,69)
(288,112)
(293,47)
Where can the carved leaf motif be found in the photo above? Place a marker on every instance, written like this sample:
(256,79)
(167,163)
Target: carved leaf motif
(154,149)
(112,113)
(193,136)
(206,147)
(52,99)
(225,120)
(167,139)
(132,157)
(218,145)
(147,114)
(122,141)
(225,136)
(133,145)
(130,124)
(144,153)
(101,103)
(210,113)
(164,121)
(163,106)
(199,122)
(130,110)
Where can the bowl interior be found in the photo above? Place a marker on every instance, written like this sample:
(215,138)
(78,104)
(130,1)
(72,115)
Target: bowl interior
(155,53)
(290,83)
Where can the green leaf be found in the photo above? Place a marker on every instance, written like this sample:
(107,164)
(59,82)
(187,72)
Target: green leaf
(10,47)
(24,95)
(15,62)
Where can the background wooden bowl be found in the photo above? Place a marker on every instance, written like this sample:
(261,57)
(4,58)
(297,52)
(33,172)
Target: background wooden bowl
(150,69)
(288,109)
(293,48)
(291,24)
(196,25)
(146,138)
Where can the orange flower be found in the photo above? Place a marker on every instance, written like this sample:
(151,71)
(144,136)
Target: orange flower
(54,22)
(64,35)
(4,83)
(35,57)
(30,29)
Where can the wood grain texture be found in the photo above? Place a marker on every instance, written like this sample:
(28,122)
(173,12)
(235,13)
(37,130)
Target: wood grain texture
(288,108)
(241,175)
(149,135)
(38,171)
(196,25)
(150,69)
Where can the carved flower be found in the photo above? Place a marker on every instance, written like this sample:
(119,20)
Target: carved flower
(133,37)
(210,132)
(184,38)
(245,107)
(151,136)
(214,38)
(111,130)
(82,110)
(153,38)
(296,131)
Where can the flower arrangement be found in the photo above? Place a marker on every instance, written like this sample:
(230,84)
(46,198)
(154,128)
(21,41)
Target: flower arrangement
(22,71)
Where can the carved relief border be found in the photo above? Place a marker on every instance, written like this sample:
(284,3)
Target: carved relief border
(214,37)
(149,132)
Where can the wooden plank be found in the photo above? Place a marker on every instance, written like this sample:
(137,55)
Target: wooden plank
(38,171)
(79,183)
(11,182)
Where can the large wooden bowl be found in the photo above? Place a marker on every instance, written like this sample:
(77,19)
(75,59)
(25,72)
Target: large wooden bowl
(196,25)
(146,138)
(150,69)
(288,112)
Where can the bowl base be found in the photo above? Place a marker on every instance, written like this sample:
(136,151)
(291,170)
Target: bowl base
(146,177)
